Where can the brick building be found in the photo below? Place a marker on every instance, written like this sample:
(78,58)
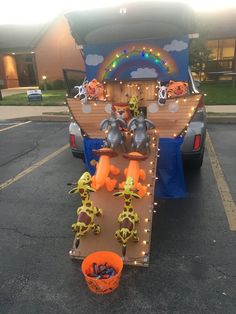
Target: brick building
(220,28)
(30,52)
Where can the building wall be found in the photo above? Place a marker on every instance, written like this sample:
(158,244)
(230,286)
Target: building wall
(11,76)
(2,73)
(56,51)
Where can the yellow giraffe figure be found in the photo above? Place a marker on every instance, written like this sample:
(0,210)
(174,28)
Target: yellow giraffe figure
(128,217)
(134,105)
(86,212)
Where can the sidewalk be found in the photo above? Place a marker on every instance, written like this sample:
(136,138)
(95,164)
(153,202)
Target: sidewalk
(221,109)
(60,113)
(20,112)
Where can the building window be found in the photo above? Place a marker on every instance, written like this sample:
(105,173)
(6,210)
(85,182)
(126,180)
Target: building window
(222,49)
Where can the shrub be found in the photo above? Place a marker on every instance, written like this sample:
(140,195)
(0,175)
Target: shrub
(58,84)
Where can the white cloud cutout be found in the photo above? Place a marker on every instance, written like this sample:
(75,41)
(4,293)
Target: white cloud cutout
(176,45)
(144,73)
(94,60)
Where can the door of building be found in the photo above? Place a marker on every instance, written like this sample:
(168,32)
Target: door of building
(26,69)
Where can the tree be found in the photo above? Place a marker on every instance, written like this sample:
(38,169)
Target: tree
(199,54)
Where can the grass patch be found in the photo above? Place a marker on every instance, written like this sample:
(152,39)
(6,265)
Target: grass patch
(221,93)
(50,98)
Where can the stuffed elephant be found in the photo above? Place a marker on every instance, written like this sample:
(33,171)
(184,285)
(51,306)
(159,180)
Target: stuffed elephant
(140,139)
(115,136)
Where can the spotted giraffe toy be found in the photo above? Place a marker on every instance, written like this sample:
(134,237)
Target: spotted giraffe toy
(134,105)
(128,217)
(86,212)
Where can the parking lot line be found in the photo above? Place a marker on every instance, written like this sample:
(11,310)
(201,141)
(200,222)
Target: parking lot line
(227,200)
(33,167)
(14,126)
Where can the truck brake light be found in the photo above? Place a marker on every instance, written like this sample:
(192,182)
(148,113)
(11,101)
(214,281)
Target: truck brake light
(72,141)
(197,142)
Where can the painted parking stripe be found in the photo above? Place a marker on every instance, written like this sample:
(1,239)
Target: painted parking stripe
(227,200)
(14,126)
(33,167)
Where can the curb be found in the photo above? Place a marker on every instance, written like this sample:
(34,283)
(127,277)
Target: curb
(43,118)
(223,119)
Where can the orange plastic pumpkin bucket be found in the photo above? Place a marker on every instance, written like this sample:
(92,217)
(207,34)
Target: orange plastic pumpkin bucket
(102,286)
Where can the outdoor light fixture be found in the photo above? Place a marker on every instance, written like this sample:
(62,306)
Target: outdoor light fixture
(44,77)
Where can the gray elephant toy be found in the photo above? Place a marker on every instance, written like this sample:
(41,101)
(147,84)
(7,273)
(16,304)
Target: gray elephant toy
(140,139)
(115,136)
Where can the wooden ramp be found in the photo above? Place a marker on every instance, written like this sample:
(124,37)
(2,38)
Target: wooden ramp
(171,120)
(137,253)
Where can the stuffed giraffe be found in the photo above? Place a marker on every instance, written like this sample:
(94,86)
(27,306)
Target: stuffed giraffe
(128,217)
(134,105)
(86,212)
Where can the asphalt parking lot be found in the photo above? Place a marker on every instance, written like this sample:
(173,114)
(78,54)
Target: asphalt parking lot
(193,253)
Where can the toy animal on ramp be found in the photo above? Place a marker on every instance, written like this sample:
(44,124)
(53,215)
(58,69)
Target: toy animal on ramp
(128,218)
(86,212)
(103,169)
(135,172)
(140,139)
(115,136)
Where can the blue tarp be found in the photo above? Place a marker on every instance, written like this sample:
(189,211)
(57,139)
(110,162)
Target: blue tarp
(171,182)
(89,145)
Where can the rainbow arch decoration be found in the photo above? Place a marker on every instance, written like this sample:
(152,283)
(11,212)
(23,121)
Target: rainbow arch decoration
(137,61)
